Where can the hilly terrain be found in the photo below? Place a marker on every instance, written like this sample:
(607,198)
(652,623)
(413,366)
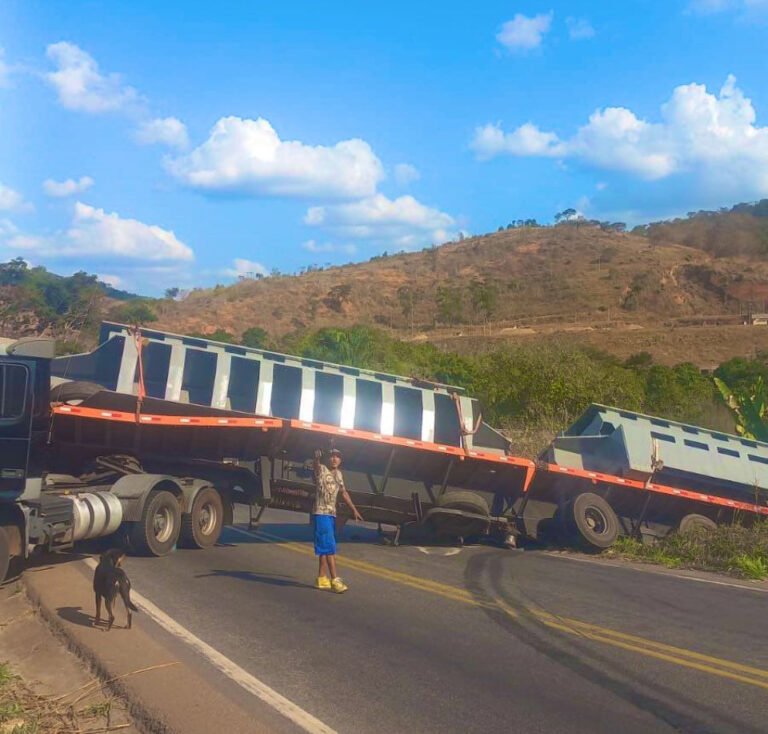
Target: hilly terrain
(622,293)
(675,289)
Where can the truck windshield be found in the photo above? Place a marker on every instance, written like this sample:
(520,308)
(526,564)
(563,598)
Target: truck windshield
(13,390)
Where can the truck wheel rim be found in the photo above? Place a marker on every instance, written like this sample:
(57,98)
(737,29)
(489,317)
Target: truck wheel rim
(208,518)
(595,520)
(163,524)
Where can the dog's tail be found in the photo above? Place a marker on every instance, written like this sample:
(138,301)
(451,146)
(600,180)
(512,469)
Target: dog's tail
(125,592)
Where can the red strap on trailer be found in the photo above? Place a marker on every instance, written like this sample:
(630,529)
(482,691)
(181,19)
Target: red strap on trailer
(658,488)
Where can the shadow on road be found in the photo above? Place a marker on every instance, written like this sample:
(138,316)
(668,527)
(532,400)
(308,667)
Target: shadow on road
(261,578)
(75,615)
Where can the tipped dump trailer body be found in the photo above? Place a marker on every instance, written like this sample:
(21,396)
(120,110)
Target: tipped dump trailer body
(157,436)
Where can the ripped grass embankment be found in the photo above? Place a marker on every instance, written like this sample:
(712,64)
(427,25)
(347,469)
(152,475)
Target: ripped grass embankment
(733,549)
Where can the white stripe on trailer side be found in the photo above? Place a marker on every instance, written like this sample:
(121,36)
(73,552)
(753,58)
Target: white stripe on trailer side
(175,371)
(264,393)
(127,376)
(307,402)
(428,416)
(348,399)
(466,415)
(232,670)
(221,380)
(387,409)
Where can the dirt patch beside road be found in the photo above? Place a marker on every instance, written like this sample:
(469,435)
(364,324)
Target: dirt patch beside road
(43,687)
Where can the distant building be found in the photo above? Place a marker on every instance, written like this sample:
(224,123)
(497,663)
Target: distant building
(756,319)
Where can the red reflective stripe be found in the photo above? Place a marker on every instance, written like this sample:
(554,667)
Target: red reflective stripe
(412,443)
(168,420)
(660,489)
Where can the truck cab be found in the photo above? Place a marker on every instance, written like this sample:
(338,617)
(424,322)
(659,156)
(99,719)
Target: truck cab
(24,411)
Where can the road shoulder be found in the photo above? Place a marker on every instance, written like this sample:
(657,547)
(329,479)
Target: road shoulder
(165,688)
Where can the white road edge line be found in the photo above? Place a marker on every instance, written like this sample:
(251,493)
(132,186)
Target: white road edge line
(657,573)
(233,671)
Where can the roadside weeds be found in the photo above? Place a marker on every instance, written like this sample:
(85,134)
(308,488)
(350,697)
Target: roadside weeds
(733,549)
(22,711)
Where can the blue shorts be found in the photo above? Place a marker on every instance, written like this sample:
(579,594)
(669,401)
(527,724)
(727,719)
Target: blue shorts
(325,534)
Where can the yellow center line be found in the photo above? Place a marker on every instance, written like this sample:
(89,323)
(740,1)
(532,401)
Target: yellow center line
(642,646)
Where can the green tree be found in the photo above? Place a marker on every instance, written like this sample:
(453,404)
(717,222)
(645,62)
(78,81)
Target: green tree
(749,406)
(484,298)
(136,312)
(408,298)
(449,304)
(679,393)
(255,337)
(14,272)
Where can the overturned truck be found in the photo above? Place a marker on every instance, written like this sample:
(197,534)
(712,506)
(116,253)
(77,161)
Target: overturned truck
(157,436)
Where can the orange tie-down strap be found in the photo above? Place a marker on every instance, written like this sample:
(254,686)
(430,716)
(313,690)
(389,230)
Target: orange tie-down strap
(167,420)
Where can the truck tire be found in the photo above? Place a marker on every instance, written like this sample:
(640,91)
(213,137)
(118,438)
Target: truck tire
(74,393)
(158,530)
(694,522)
(456,526)
(201,527)
(5,554)
(594,521)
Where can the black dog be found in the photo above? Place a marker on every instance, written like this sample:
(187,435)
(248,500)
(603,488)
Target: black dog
(108,580)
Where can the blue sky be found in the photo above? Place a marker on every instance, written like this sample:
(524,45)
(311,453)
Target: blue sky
(179,144)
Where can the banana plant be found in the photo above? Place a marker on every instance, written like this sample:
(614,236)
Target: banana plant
(749,408)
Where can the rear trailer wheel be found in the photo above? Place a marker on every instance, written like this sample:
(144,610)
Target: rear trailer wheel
(201,527)
(5,554)
(696,522)
(158,530)
(455,525)
(594,520)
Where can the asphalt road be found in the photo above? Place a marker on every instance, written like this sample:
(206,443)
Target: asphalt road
(435,640)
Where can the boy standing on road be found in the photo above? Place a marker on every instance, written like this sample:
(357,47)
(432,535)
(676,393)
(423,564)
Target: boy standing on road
(328,482)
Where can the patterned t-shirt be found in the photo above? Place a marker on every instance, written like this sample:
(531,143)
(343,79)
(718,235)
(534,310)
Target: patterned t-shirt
(328,484)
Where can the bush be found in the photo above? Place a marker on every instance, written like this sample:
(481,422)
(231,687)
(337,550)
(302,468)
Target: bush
(255,337)
(741,551)
(134,312)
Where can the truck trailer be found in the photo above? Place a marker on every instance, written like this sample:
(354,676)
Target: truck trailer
(154,437)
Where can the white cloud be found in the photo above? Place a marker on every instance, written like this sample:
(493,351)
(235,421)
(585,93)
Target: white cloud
(247,157)
(114,280)
(714,136)
(12,201)
(490,140)
(405,173)
(244,268)
(523,33)
(168,131)
(579,29)
(60,189)
(317,247)
(106,236)
(403,222)
(81,86)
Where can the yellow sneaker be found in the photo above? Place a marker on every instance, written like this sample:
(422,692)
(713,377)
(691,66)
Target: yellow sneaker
(323,582)
(338,585)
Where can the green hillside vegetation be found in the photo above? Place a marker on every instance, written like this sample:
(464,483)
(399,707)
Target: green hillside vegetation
(34,300)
